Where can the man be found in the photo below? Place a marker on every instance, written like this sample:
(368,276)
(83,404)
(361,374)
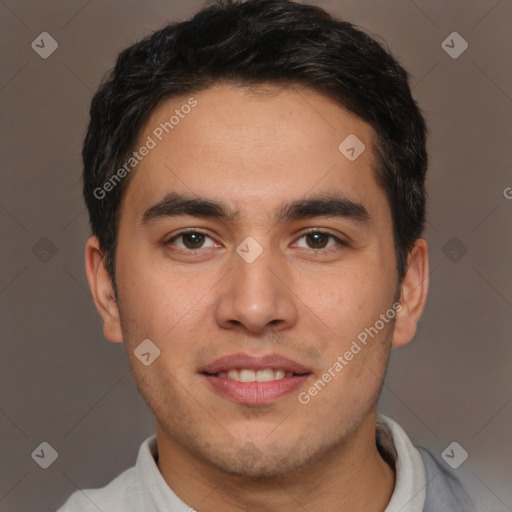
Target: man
(255,184)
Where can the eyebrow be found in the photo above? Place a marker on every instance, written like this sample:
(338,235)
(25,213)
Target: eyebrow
(322,205)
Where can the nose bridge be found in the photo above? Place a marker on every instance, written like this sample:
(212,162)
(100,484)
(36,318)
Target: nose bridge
(256,283)
(253,295)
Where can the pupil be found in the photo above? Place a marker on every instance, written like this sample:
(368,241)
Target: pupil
(193,240)
(318,240)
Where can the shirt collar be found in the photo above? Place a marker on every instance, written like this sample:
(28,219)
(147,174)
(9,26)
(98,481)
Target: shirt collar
(410,481)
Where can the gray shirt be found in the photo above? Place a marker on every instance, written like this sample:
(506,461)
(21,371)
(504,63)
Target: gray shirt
(422,484)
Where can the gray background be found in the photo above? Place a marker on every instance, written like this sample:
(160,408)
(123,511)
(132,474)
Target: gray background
(63,383)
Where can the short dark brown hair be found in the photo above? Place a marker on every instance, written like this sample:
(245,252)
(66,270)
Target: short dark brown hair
(253,43)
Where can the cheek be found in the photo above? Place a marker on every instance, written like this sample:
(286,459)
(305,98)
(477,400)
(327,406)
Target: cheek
(148,300)
(349,300)
(161,303)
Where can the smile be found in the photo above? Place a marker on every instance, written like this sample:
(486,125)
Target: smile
(249,375)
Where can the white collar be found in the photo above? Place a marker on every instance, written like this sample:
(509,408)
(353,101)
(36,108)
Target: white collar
(410,484)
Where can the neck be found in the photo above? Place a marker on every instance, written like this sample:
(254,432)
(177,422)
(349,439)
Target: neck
(351,476)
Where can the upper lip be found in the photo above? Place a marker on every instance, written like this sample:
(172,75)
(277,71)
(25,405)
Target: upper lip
(246,361)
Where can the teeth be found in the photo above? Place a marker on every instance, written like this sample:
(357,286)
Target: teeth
(246,375)
(266,375)
(233,375)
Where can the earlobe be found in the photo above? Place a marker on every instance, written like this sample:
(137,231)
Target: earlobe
(102,290)
(413,294)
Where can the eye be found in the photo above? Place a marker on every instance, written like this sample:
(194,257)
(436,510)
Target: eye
(191,240)
(316,239)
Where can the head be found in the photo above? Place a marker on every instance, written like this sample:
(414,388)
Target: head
(229,126)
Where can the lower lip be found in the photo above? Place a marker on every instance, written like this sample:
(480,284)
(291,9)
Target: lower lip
(256,393)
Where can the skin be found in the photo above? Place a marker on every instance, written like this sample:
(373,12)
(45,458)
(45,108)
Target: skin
(255,152)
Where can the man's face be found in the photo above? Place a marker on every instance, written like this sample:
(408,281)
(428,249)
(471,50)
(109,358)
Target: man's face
(306,297)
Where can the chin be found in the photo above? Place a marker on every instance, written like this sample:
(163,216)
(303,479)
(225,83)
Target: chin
(255,466)
(262,461)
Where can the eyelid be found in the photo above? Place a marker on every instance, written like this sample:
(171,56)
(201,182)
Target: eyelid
(184,231)
(323,231)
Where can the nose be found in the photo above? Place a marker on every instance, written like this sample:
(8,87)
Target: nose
(257,296)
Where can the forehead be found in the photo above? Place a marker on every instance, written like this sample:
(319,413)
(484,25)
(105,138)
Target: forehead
(243,147)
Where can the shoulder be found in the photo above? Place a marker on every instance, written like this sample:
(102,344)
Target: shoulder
(444,492)
(118,495)
(124,493)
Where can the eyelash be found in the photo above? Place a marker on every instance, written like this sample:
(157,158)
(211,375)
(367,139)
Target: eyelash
(310,231)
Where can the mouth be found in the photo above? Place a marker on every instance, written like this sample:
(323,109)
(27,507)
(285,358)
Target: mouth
(249,380)
(249,375)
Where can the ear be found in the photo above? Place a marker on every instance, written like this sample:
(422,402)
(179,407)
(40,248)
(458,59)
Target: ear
(102,290)
(413,294)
